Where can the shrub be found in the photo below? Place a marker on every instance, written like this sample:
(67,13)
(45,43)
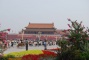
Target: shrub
(76,47)
(47,55)
(6,57)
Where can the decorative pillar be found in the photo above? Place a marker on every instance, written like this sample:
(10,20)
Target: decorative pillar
(22,34)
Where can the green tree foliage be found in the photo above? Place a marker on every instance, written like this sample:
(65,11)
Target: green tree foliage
(76,47)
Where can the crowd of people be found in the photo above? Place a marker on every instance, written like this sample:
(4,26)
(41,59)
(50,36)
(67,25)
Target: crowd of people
(19,43)
(11,43)
(26,43)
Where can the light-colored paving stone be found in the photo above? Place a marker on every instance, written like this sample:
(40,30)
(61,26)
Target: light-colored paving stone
(15,49)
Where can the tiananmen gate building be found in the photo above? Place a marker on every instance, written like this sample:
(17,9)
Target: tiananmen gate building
(38,30)
(43,28)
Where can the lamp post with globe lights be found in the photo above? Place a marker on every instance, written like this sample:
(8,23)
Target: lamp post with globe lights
(39,35)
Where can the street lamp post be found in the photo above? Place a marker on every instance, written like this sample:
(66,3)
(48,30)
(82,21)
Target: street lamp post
(22,34)
(39,34)
(56,38)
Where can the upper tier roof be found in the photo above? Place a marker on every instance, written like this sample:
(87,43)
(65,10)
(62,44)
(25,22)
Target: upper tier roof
(40,25)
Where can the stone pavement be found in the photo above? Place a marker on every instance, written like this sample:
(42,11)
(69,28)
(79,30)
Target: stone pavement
(15,49)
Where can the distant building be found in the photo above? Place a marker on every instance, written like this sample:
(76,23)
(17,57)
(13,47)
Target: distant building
(42,28)
(39,31)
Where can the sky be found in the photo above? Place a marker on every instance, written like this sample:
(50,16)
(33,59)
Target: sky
(16,14)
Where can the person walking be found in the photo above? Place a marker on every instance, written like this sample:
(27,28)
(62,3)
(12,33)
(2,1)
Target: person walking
(26,42)
(45,45)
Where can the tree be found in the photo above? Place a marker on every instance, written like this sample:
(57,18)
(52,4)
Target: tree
(3,36)
(77,43)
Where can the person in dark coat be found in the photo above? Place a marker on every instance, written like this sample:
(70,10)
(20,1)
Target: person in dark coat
(26,42)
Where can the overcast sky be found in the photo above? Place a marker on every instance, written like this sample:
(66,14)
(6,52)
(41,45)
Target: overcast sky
(16,14)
